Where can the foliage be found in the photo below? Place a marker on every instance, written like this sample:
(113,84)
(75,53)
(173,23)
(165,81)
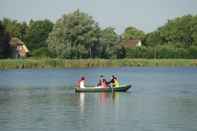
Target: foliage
(153,39)
(162,51)
(193,52)
(75,35)
(182,30)
(84,63)
(4,42)
(133,33)
(121,52)
(109,40)
(140,52)
(37,34)
(15,28)
(42,52)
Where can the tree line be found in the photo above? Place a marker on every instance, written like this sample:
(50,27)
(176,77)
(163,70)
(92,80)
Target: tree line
(77,35)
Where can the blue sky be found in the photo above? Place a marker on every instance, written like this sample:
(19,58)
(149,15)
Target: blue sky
(146,15)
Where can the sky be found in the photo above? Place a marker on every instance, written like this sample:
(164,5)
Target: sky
(146,15)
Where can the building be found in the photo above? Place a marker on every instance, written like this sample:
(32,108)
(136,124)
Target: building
(131,43)
(18,48)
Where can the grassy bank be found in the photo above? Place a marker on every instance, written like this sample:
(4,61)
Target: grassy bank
(83,63)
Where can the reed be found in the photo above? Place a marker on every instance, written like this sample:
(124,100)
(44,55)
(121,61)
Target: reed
(88,63)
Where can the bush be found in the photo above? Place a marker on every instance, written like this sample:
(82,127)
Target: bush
(41,52)
(182,53)
(140,52)
(193,52)
(166,51)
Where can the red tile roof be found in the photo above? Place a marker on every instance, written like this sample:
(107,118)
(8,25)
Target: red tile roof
(129,43)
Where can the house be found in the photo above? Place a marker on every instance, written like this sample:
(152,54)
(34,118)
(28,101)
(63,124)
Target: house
(18,48)
(131,43)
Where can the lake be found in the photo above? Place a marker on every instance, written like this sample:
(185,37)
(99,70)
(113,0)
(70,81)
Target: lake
(161,99)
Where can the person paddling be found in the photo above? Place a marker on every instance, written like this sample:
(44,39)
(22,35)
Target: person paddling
(102,82)
(81,82)
(114,81)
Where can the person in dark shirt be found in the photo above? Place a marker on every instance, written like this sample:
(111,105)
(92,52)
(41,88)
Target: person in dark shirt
(114,81)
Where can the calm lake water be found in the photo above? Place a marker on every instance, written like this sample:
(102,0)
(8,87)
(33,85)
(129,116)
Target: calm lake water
(161,99)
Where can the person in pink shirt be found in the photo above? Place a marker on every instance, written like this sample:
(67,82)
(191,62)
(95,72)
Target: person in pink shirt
(104,83)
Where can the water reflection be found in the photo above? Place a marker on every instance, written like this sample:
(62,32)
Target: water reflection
(100,98)
(41,109)
(115,97)
(82,101)
(103,98)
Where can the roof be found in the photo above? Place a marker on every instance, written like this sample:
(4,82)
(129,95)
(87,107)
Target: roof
(130,43)
(16,41)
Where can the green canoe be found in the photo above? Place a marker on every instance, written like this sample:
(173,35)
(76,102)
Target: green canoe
(121,88)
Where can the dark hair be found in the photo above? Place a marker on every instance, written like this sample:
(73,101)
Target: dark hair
(82,78)
(114,77)
(101,76)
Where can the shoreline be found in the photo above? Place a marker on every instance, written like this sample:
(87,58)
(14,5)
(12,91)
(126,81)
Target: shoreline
(90,63)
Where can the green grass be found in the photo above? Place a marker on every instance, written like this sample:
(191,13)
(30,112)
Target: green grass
(84,63)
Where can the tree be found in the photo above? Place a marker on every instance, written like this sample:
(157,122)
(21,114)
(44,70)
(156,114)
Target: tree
(75,35)
(193,52)
(121,52)
(4,42)
(133,33)
(23,32)
(42,52)
(38,33)
(109,40)
(153,39)
(15,28)
(181,30)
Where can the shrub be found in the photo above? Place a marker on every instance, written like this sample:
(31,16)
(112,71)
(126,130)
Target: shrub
(41,52)
(193,52)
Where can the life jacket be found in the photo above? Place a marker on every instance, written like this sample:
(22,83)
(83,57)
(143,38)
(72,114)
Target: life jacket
(116,83)
(113,82)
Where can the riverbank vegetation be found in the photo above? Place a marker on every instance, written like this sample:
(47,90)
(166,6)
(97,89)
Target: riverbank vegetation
(89,63)
(77,35)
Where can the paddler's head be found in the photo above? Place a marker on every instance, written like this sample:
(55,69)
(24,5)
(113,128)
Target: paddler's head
(82,78)
(113,77)
(101,76)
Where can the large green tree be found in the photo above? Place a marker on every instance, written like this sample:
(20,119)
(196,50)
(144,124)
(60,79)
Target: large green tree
(37,34)
(133,33)
(75,35)
(153,39)
(109,40)
(15,28)
(179,31)
(4,42)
